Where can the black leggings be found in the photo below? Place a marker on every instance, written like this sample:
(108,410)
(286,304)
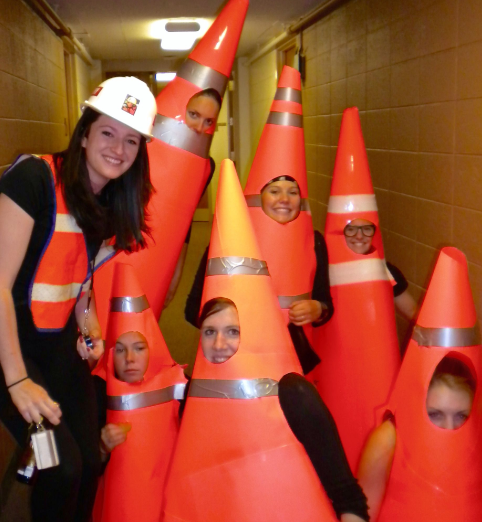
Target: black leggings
(66,492)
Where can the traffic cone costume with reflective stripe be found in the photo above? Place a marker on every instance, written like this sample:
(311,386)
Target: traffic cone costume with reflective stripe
(63,266)
(179,161)
(135,476)
(436,473)
(287,248)
(358,346)
(236,455)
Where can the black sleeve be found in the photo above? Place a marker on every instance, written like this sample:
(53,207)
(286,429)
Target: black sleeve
(212,166)
(193,303)
(313,425)
(100,387)
(306,355)
(27,184)
(321,284)
(401,283)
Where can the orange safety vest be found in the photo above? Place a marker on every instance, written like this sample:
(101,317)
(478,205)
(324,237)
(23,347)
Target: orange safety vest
(179,162)
(62,269)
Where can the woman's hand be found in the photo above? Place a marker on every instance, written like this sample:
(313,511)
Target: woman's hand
(32,401)
(92,355)
(305,312)
(111,435)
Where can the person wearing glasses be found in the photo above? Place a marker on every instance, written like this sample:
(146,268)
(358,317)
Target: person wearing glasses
(359,237)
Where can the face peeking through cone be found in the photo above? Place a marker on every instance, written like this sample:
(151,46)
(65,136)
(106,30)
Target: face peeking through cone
(220,332)
(202,111)
(281,200)
(131,357)
(359,235)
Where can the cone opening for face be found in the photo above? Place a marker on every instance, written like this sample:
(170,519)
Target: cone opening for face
(220,330)
(131,357)
(281,199)
(451,392)
(202,111)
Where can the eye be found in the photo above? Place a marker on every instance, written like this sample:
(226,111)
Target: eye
(107,133)
(233,332)
(140,347)
(192,114)
(435,415)
(208,332)
(461,417)
(119,349)
(208,122)
(131,141)
(350,230)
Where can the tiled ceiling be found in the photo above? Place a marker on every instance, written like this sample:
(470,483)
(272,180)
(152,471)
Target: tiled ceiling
(119,29)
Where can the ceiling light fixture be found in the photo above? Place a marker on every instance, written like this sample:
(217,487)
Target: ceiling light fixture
(165,76)
(179,34)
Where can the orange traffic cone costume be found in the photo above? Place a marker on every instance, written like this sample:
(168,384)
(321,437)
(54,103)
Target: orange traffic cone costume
(179,161)
(358,346)
(236,455)
(134,478)
(287,248)
(436,473)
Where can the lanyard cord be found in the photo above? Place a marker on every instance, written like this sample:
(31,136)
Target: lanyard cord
(89,298)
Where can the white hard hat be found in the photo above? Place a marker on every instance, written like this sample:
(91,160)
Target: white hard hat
(126,99)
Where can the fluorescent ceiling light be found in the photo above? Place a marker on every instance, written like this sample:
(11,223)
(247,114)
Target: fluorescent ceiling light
(179,34)
(165,76)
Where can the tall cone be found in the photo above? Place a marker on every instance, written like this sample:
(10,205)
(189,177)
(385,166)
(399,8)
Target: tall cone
(288,248)
(437,474)
(179,161)
(236,455)
(138,467)
(358,346)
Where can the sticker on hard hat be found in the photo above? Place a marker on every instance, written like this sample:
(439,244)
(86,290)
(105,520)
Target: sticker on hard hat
(130,104)
(97,91)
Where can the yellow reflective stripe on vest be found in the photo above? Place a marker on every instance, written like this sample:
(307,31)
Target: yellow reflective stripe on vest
(67,223)
(55,293)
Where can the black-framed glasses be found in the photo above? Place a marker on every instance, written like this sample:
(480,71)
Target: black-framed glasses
(366,230)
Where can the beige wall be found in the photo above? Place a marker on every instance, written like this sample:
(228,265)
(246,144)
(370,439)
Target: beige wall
(413,68)
(34,108)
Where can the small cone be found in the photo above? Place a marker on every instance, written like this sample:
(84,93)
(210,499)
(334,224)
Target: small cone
(448,302)
(126,286)
(437,473)
(281,149)
(351,174)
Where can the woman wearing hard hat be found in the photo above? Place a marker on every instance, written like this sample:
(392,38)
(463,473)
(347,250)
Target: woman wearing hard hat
(55,212)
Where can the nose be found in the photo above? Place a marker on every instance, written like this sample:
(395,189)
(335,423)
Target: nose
(219,342)
(118,147)
(359,233)
(448,423)
(198,126)
(130,356)
(283,196)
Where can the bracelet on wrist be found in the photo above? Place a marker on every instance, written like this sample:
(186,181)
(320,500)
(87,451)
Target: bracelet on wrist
(17,382)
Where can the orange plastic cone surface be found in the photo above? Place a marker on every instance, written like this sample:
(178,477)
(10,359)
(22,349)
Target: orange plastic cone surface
(236,457)
(358,346)
(137,468)
(287,248)
(436,473)
(179,161)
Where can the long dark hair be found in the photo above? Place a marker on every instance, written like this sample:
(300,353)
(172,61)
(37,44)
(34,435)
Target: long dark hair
(120,211)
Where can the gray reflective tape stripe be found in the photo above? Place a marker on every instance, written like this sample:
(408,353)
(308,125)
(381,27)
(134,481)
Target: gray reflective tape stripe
(446,337)
(129,304)
(254,200)
(233,389)
(178,134)
(202,76)
(136,401)
(233,265)
(285,118)
(285,301)
(288,94)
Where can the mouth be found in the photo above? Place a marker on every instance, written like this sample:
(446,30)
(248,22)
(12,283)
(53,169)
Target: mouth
(218,359)
(112,161)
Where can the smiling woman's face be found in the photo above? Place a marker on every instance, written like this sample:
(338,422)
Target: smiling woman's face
(220,335)
(281,201)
